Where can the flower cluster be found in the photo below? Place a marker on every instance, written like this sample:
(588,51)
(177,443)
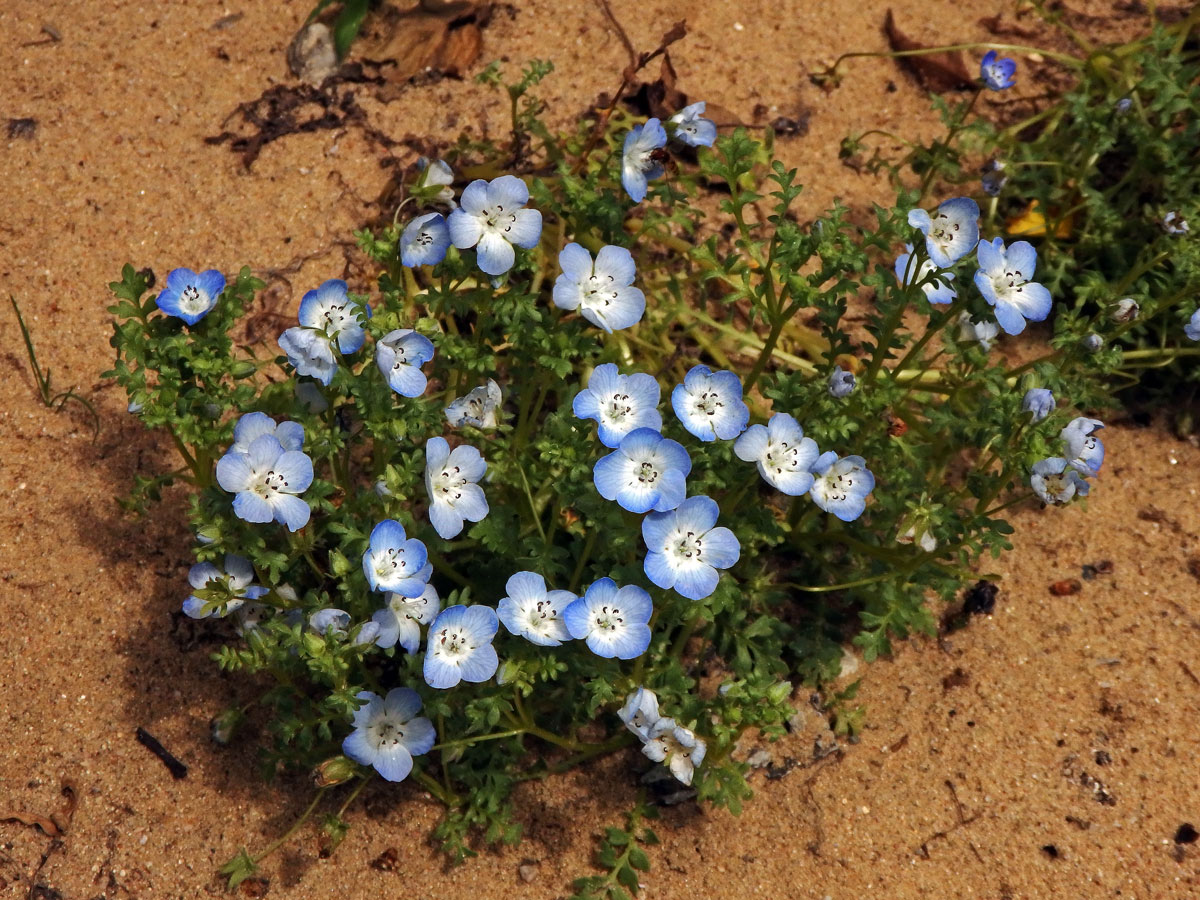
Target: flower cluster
(1059,478)
(663,739)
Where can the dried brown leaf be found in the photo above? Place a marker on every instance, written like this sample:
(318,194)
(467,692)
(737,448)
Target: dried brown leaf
(935,71)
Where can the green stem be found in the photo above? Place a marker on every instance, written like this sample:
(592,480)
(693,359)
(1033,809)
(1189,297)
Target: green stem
(275,845)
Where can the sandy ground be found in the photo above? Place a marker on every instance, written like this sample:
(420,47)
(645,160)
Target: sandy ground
(1049,750)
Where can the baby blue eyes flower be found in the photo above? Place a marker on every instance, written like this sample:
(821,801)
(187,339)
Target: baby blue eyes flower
(266,479)
(678,747)
(254,425)
(399,355)
(612,620)
(602,291)
(684,549)
(1055,482)
(971,330)
(401,618)
(1191,329)
(450,481)
(1092,343)
(640,712)
(1126,310)
(951,231)
(1175,224)
(639,161)
(395,562)
(1038,401)
(647,471)
(841,486)
(618,403)
(1084,450)
(709,404)
(996,73)
(691,128)
(189,296)
(993,178)
(225,590)
(325,621)
(534,613)
(424,241)
(327,314)
(841,383)
(937,290)
(434,182)
(388,733)
(460,648)
(480,407)
(783,454)
(1003,279)
(492,218)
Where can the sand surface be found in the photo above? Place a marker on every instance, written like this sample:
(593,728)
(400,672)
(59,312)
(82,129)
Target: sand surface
(1049,750)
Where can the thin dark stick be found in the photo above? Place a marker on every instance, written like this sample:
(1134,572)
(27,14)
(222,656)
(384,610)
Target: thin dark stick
(150,742)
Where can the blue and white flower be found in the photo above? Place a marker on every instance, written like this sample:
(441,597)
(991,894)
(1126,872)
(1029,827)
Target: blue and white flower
(603,290)
(1175,224)
(993,179)
(618,403)
(480,407)
(337,623)
(612,620)
(1056,482)
(328,317)
(267,479)
(459,647)
(997,73)
(691,129)
(388,733)
(783,454)
(669,742)
(451,481)
(709,404)
(399,355)
(492,218)
(1003,279)
(1191,329)
(401,618)
(395,562)
(254,425)
(226,590)
(1039,401)
(530,611)
(647,471)
(937,289)
(1126,310)
(951,231)
(640,712)
(685,549)
(310,353)
(189,296)
(639,161)
(1084,450)
(433,184)
(841,383)
(841,485)
(982,331)
(424,241)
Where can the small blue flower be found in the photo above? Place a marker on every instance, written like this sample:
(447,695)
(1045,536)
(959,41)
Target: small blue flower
(254,425)
(450,481)
(229,589)
(647,471)
(329,310)
(1175,224)
(424,241)
(691,129)
(1004,280)
(1038,401)
(1092,342)
(841,486)
(460,648)
(997,74)
(669,742)
(709,404)
(993,178)
(638,160)
(684,549)
(640,712)
(602,291)
(783,454)
(1126,310)
(1084,450)
(1191,329)
(395,562)
(982,331)
(401,618)
(399,355)
(480,408)
(433,184)
(618,403)
(1055,482)
(189,296)
(337,623)
(534,613)
(492,218)
(388,733)
(266,479)
(951,232)
(612,620)
(841,383)
(937,289)
(1123,105)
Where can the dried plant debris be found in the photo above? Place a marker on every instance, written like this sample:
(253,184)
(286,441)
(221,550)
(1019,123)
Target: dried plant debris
(434,40)
(937,72)
(22,129)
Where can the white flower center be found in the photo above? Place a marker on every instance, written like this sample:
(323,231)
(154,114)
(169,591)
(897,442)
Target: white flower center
(541,615)
(1009,282)
(646,473)
(498,221)
(780,456)
(598,292)
(608,618)
(335,317)
(452,643)
(192,300)
(384,732)
(448,485)
(269,484)
(708,402)
(836,487)
(617,408)
(687,546)
(944,231)
(389,562)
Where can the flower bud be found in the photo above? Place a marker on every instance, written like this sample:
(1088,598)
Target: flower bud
(337,770)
